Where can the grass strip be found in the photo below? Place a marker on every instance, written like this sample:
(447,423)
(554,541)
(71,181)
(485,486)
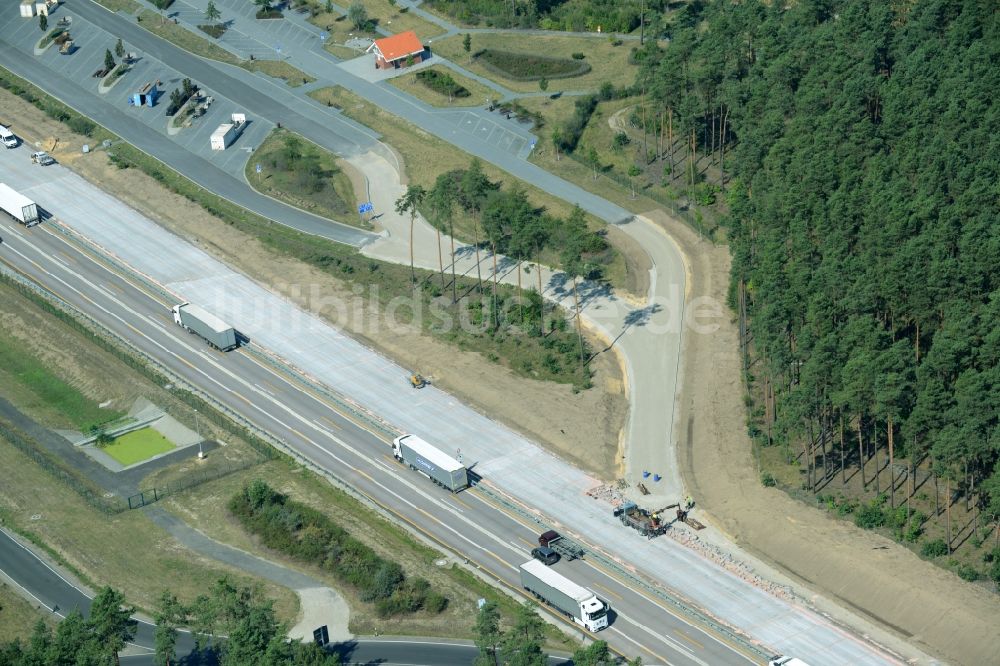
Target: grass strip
(27,370)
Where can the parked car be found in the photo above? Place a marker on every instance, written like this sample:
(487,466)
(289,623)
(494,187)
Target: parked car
(42,158)
(546,556)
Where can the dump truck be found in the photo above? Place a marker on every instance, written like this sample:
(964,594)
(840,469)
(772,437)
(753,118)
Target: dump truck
(583,606)
(431,461)
(557,542)
(195,319)
(18,206)
(226,133)
(648,523)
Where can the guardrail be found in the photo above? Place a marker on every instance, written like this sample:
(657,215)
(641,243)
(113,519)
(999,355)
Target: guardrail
(681,605)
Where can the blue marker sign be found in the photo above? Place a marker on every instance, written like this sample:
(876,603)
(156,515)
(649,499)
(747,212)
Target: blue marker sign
(257,168)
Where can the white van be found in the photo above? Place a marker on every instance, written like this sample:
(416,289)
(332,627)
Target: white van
(7,137)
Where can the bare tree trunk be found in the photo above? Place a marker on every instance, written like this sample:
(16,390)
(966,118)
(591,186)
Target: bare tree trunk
(645,145)
(711,132)
(659,138)
(413,273)
(722,150)
(843,469)
(947,509)
(937,493)
(892,470)
(496,309)
(878,487)
(809,459)
(440,257)
(454,278)
(670,141)
(861,453)
(479,270)
(520,293)
(579,329)
(541,298)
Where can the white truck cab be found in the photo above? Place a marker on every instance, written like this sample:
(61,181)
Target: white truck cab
(786,661)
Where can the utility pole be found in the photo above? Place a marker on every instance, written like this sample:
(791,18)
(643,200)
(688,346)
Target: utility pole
(197,425)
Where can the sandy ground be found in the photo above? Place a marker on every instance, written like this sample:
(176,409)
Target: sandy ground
(322,606)
(584,427)
(884,582)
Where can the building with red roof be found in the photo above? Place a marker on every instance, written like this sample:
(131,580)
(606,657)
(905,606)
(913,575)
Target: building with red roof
(396,51)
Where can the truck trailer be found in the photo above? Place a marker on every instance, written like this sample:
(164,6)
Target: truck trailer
(431,461)
(18,206)
(197,320)
(579,603)
(227,133)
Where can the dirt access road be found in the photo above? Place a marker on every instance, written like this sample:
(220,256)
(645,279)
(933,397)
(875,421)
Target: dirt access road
(882,581)
(829,557)
(583,427)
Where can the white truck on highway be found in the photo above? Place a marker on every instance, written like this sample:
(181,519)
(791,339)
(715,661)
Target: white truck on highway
(226,133)
(195,319)
(431,461)
(786,661)
(18,206)
(585,607)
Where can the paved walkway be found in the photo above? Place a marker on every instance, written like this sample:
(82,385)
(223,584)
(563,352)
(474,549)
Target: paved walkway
(320,603)
(648,337)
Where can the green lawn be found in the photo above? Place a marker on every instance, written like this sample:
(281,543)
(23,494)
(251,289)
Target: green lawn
(137,446)
(39,385)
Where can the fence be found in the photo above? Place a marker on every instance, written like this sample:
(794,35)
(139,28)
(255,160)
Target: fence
(155,494)
(78,483)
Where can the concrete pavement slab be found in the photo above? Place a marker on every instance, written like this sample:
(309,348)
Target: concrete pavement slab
(508,462)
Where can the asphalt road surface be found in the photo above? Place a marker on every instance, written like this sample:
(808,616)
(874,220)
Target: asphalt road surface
(493,538)
(49,589)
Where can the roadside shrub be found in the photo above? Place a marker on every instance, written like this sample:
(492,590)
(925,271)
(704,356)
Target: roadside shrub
(214,30)
(935,548)
(916,528)
(308,535)
(442,83)
(768,480)
(584,108)
(578,56)
(967,572)
(81,125)
(869,516)
(530,67)
(994,571)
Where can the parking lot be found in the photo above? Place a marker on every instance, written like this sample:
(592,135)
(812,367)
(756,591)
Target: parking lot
(91,43)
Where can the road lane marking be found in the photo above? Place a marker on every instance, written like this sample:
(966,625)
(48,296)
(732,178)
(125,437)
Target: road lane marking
(500,559)
(610,591)
(683,634)
(330,422)
(660,659)
(261,390)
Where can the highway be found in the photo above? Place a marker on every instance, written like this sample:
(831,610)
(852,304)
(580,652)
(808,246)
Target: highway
(493,538)
(50,590)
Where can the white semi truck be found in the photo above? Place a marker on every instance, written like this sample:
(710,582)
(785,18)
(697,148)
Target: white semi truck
(18,206)
(431,461)
(786,661)
(226,133)
(197,320)
(579,603)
